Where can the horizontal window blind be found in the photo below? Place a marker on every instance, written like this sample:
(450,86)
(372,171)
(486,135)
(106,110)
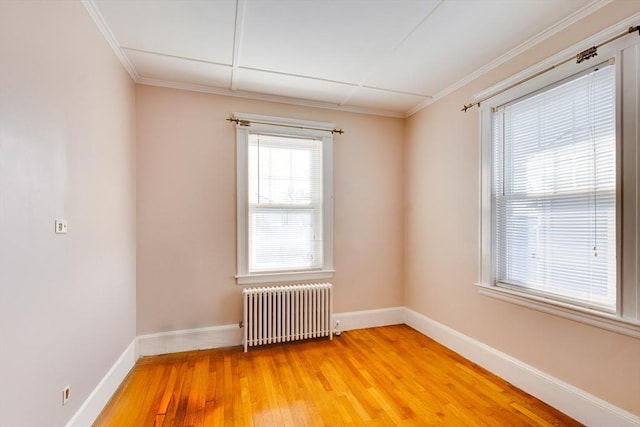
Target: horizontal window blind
(554,190)
(285,203)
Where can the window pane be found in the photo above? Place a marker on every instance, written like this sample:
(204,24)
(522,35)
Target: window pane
(284,239)
(285,203)
(284,170)
(555,191)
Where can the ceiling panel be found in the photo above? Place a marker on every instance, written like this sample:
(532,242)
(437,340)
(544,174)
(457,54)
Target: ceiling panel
(291,86)
(462,36)
(171,69)
(333,40)
(201,30)
(383,55)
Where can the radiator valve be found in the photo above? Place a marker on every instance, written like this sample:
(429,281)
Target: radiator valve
(336,330)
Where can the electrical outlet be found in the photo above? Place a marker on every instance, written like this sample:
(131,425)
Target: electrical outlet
(61,226)
(66,393)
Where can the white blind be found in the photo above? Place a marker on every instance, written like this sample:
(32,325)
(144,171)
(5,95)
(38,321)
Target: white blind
(285,203)
(554,190)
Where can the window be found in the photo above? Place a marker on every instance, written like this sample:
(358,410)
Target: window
(554,190)
(284,199)
(559,175)
(285,203)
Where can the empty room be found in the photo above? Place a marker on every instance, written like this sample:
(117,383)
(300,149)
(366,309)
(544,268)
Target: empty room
(319,213)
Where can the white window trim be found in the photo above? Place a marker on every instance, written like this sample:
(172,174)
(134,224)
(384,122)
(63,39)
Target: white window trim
(627,318)
(283,126)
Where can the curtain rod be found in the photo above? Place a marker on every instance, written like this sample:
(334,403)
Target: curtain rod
(248,123)
(580,57)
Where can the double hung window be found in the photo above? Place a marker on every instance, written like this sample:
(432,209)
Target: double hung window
(559,183)
(554,190)
(284,200)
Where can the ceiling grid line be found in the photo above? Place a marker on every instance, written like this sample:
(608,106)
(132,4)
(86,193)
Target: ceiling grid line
(389,57)
(183,58)
(237,43)
(395,48)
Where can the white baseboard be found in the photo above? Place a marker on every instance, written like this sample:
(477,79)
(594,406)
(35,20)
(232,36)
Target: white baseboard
(576,403)
(189,339)
(582,406)
(91,408)
(370,318)
(231,335)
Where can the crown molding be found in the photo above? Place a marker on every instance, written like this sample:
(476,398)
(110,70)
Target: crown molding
(521,48)
(270,98)
(92,10)
(560,56)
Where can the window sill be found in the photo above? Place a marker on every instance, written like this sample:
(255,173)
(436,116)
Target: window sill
(606,321)
(249,279)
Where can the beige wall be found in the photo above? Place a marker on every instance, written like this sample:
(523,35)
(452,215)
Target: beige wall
(67,302)
(441,243)
(68,118)
(186,208)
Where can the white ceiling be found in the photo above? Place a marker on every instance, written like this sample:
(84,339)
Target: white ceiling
(388,57)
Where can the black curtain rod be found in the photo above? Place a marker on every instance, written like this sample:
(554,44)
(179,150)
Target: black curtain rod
(580,57)
(248,123)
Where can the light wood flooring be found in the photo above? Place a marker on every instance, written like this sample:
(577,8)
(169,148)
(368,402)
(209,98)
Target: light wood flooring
(389,376)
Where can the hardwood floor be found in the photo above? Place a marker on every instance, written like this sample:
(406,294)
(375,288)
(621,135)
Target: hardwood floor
(389,376)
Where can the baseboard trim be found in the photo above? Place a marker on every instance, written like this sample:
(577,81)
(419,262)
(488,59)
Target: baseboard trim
(369,318)
(91,408)
(231,335)
(576,403)
(189,339)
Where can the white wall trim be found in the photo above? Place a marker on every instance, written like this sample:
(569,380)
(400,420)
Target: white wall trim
(92,10)
(111,40)
(99,397)
(189,339)
(523,47)
(370,318)
(576,403)
(593,40)
(231,335)
(605,321)
(266,97)
(543,35)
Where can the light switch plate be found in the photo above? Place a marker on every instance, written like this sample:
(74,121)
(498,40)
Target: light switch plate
(61,226)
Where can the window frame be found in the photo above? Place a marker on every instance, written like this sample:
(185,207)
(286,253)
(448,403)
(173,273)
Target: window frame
(626,318)
(252,124)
